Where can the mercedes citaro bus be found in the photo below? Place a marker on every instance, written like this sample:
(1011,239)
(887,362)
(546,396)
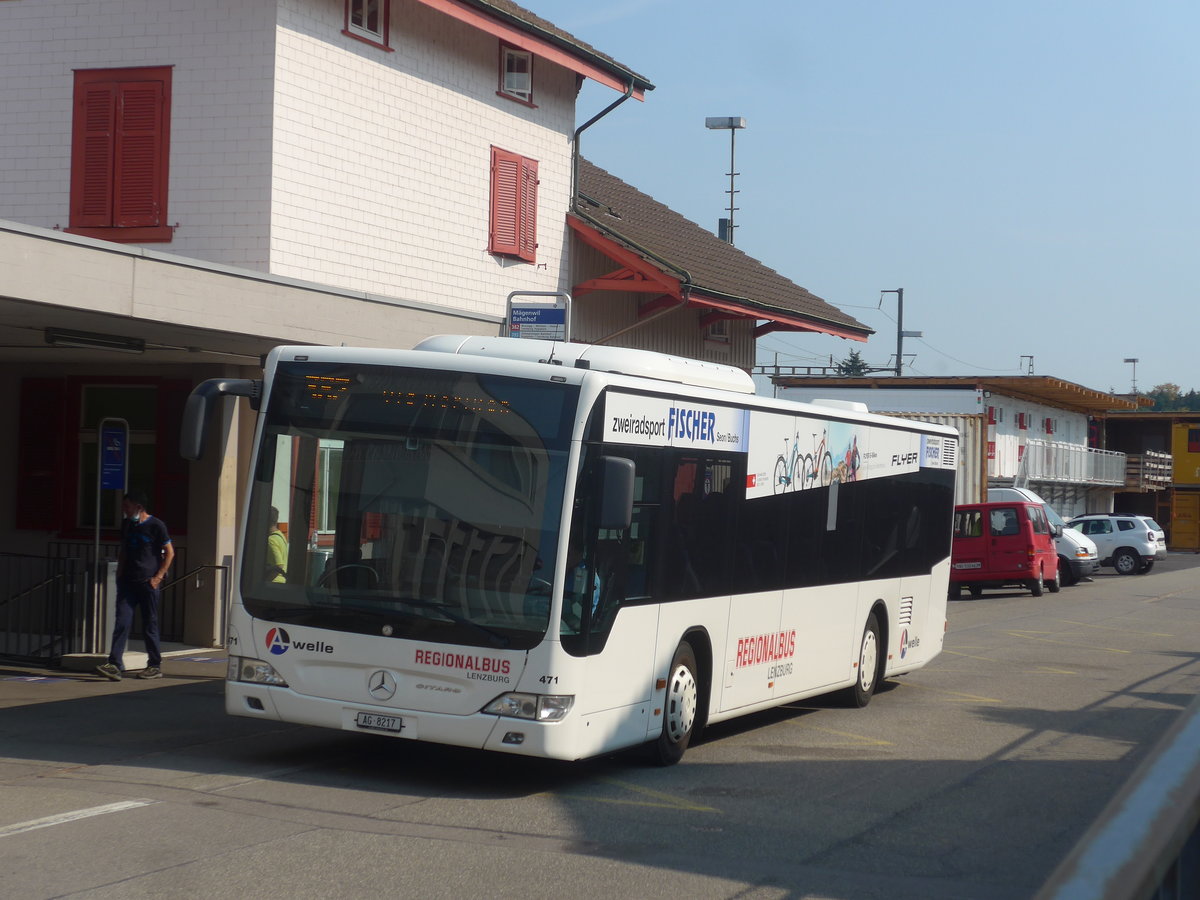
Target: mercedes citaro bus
(560,549)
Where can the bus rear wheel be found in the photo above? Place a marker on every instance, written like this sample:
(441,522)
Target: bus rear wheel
(679,708)
(868,666)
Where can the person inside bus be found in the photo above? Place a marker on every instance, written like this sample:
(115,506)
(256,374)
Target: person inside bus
(277,550)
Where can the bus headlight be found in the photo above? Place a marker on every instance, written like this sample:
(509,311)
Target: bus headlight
(538,707)
(253,671)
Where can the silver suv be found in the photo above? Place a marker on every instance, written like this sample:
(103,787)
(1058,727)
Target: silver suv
(1130,544)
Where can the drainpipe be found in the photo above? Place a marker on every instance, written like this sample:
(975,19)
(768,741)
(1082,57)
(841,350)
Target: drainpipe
(575,141)
(684,276)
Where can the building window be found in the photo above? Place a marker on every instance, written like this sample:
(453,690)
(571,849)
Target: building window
(119,154)
(368,20)
(717,331)
(57,451)
(516,74)
(512,228)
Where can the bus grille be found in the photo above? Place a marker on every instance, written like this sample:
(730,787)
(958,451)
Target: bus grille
(950,453)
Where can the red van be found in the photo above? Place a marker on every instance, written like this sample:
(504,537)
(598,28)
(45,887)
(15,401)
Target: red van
(1000,545)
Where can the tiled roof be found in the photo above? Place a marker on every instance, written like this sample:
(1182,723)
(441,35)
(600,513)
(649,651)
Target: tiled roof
(536,25)
(716,268)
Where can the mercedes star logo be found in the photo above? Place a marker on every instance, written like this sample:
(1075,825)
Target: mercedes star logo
(382,685)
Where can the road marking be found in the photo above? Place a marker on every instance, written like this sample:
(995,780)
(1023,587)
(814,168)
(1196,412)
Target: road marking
(858,739)
(1032,635)
(1120,630)
(670,801)
(75,815)
(958,696)
(968,655)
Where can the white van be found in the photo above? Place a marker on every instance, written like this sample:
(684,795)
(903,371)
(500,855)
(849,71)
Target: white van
(1077,553)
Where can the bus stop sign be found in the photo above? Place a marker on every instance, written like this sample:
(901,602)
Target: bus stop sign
(547,323)
(114,450)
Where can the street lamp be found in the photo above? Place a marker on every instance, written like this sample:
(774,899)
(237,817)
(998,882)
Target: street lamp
(1133,378)
(731,124)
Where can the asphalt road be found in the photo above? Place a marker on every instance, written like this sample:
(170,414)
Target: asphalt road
(969,779)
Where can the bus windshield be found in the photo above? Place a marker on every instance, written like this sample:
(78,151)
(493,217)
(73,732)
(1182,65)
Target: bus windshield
(408,502)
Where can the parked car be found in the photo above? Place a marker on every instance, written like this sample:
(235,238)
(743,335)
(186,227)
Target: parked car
(1002,544)
(1130,544)
(1078,556)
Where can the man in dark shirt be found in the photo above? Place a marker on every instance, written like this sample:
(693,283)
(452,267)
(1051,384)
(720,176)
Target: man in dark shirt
(144,556)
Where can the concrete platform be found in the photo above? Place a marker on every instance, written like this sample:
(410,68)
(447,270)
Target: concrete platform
(134,659)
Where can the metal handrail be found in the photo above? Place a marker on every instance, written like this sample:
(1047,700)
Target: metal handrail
(1142,843)
(36,587)
(195,571)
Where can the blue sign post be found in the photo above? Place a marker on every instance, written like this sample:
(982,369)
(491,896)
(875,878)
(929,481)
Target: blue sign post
(114,454)
(539,320)
(548,323)
(112,473)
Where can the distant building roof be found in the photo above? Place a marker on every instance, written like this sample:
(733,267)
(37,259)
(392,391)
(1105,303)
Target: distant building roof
(1033,388)
(523,20)
(703,269)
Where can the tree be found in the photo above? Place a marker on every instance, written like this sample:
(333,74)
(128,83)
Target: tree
(1166,396)
(853,365)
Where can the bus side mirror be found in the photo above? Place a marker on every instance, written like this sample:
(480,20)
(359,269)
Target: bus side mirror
(616,492)
(199,407)
(1057,529)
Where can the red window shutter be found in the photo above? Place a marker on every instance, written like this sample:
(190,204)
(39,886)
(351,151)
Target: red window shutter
(139,161)
(528,210)
(92,155)
(504,228)
(41,430)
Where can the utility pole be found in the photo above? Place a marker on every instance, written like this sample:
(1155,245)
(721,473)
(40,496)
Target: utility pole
(901,334)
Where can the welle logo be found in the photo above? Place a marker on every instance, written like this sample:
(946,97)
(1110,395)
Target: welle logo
(278,641)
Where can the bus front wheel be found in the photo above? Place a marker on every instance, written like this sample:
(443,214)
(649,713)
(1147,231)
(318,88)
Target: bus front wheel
(679,708)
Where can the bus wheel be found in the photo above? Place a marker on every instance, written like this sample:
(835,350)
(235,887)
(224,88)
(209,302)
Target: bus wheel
(1055,585)
(868,665)
(679,708)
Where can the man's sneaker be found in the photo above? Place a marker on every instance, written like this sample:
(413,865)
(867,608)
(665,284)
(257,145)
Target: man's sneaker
(109,671)
(150,672)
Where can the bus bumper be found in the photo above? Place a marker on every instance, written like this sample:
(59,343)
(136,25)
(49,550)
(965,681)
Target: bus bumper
(553,740)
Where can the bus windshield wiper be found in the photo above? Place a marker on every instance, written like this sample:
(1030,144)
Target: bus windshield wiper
(446,610)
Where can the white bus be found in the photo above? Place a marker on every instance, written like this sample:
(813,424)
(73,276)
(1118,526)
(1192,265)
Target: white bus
(561,550)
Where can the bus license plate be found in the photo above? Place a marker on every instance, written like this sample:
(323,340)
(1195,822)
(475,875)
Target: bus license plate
(376,722)
(968,565)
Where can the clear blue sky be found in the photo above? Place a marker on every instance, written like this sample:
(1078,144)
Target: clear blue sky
(1026,170)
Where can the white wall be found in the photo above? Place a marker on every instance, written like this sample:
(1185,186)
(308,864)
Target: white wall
(382,179)
(222,53)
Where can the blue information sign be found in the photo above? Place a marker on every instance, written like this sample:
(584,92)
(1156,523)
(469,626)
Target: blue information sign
(114,448)
(546,323)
